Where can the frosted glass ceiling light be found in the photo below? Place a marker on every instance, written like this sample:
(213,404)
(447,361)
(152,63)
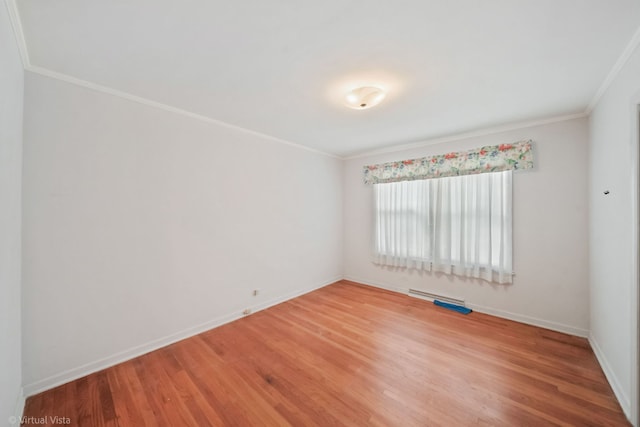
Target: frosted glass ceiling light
(364,97)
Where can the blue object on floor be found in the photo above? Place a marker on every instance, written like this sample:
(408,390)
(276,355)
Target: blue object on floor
(454,307)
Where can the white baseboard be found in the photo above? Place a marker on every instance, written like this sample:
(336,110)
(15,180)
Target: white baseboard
(14,420)
(377,285)
(559,327)
(534,321)
(618,390)
(98,365)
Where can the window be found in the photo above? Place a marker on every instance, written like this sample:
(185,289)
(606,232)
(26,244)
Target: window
(457,225)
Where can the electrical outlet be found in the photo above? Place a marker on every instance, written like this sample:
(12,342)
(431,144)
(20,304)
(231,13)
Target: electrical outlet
(256,292)
(246,311)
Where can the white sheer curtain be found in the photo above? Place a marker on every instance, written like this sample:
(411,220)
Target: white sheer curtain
(457,225)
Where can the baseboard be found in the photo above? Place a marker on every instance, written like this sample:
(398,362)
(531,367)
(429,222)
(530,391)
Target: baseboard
(98,365)
(622,397)
(534,321)
(16,418)
(377,285)
(559,327)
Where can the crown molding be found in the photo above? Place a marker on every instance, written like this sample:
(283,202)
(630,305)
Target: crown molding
(150,103)
(615,70)
(18,32)
(472,134)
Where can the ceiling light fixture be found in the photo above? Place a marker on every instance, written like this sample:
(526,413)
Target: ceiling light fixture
(364,97)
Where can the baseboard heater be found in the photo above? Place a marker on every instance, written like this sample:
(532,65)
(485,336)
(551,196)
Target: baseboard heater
(430,297)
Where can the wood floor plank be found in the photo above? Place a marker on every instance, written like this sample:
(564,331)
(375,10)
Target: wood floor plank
(349,355)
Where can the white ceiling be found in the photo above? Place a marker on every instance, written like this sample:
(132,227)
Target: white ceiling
(281,67)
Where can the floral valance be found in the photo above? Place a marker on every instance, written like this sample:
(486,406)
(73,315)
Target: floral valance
(494,158)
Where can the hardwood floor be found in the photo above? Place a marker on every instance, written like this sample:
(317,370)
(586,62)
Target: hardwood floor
(349,355)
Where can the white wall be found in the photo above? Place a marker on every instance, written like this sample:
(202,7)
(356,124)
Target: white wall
(11,93)
(550,288)
(142,226)
(611,230)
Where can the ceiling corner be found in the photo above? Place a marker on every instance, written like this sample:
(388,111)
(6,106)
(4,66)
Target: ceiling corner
(16,24)
(615,70)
